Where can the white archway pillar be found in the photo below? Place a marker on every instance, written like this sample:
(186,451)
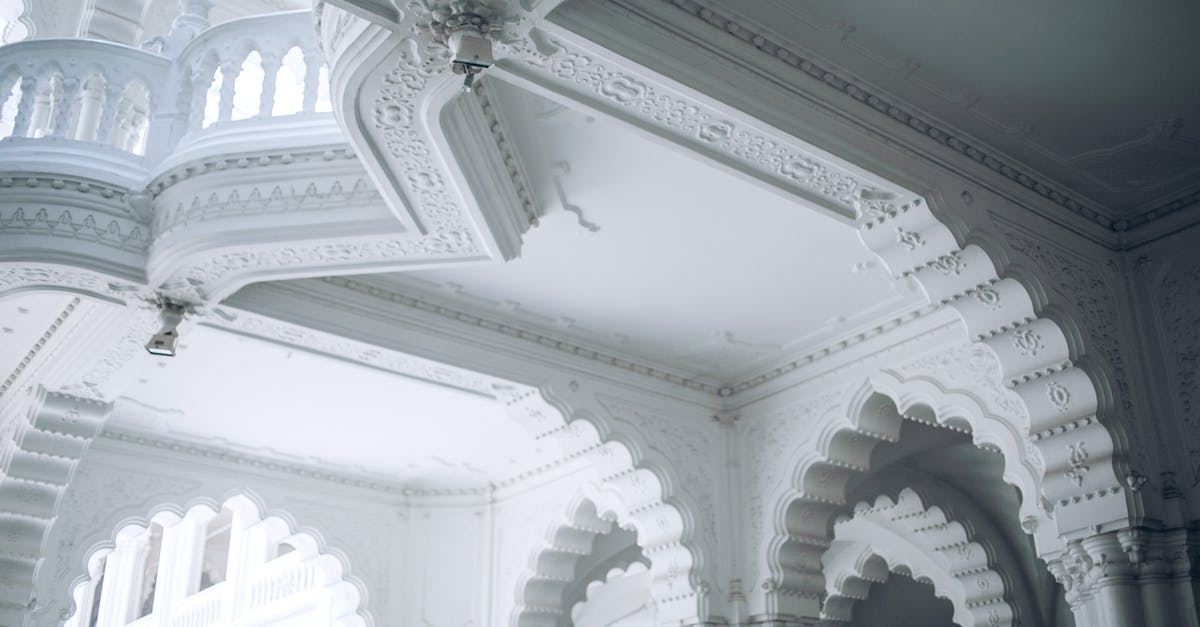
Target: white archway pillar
(1130,578)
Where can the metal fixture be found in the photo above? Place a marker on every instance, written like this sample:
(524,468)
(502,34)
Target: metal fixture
(165,341)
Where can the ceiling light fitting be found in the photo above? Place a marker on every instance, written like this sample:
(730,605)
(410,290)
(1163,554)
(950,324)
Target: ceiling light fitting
(466,34)
(164,342)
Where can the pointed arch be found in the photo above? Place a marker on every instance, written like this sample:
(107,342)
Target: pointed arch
(907,535)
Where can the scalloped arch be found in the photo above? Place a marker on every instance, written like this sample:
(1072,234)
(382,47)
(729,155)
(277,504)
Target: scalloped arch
(907,535)
(872,413)
(1033,352)
(636,490)
(322,567)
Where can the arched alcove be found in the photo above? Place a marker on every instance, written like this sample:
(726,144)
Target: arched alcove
(907,535)
(840,454)
(210,563)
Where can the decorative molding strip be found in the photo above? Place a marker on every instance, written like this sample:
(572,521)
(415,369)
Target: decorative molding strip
(38,346)
(509,328)
(516,168)
(903,114)
(229,456)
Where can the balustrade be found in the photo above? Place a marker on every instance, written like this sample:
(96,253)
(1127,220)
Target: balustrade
(130,99)
(73,89)
(279,580)
(199,610)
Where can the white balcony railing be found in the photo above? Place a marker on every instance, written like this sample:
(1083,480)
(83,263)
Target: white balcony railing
(85,92)
(199,610)
(280,580)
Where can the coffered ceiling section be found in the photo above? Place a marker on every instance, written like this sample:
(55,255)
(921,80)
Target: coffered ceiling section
(1100,98)
(647,251)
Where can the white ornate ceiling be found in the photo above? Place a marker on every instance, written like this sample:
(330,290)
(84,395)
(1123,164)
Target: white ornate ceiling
(1089,102)
(647,251)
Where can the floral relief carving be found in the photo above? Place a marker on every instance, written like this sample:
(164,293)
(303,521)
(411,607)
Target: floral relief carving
(1059,395)
(1179,310)
(393,115)
(910,239)
(971,367)
(677,114)
(1077,456)
(951,264)
(1089,287)
(988,297)
(1028,342)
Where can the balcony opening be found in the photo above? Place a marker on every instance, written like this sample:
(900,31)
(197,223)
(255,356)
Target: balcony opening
(8,111)
(216,549)
(248,87)
(289,84)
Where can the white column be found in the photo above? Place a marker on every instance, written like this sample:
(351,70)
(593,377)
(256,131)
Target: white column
(91,100)
(229,74)
(271,61)
(123,572)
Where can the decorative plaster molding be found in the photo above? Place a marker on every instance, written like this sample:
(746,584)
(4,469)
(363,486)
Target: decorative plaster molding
(551,62)
(502,136)
(270,329)
(230,454)
(37,347)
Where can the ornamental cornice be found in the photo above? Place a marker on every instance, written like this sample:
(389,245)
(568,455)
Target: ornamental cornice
(900,113)
(228,454)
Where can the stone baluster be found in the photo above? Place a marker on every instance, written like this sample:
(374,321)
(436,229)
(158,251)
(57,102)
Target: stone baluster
(120,129)
(202,77)
(25,107)
(229,74)
(108,114)
(123,572)
(64,109)
(135,127)
(271,62)
(91,102)
(312,76)
(47,93)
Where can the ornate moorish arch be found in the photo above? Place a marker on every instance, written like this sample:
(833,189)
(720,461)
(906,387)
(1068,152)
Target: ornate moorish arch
(625,489)
(870,414)
(906,535)
(275,567)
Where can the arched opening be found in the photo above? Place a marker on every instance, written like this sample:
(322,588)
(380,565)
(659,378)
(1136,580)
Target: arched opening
(247,88)
(11,91)
(289,84)
(592,572)
(930,441)
(210,565)
(212,98)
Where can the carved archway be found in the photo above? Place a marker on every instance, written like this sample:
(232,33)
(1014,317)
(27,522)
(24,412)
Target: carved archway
(271,564)
(907,535)
(595,511)
(626,491)
(872,414)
